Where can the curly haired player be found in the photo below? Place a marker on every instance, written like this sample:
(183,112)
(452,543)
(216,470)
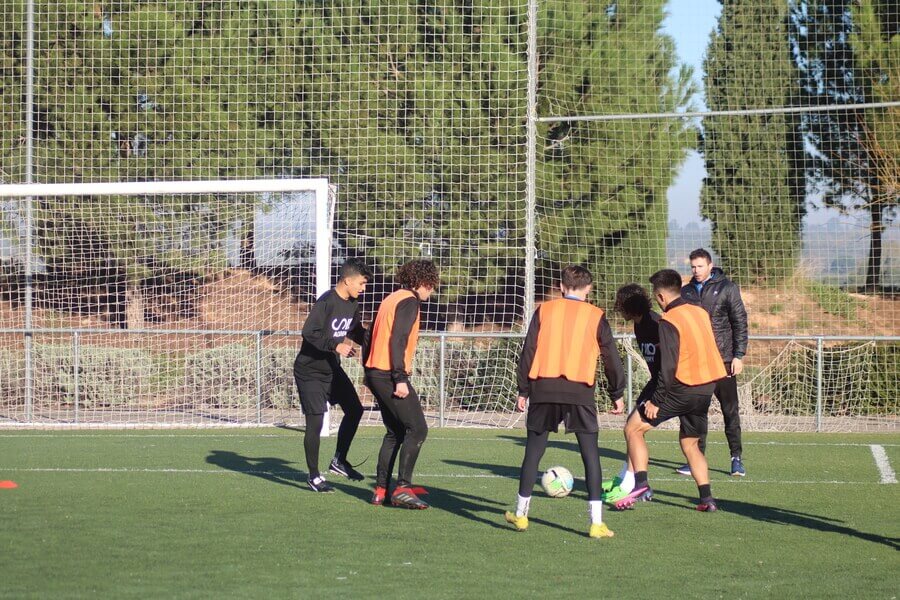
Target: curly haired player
(388,365)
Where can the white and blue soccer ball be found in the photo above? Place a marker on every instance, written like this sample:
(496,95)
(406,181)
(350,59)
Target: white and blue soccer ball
(557,482)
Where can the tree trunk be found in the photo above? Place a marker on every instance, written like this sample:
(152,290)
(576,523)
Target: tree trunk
(248,251)
(873,263)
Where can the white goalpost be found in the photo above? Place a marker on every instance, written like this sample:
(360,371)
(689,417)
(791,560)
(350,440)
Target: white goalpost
(159,303)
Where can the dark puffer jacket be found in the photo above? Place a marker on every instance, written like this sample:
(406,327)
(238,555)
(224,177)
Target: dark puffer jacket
(722,300)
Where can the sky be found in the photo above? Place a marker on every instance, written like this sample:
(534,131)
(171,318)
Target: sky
(690,23)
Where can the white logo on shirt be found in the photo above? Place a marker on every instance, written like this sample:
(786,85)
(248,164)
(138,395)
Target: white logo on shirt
(340,327)
(649,352)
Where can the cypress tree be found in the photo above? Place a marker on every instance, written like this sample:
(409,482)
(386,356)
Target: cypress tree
(748,194)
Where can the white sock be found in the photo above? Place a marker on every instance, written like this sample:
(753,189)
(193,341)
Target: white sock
(595,511)
(627,482)
(522,505)
(623,471)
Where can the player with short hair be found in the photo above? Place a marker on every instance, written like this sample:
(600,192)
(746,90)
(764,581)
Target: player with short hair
(633,304)
(556,377)
(320,379)
(388,365)
(689,367)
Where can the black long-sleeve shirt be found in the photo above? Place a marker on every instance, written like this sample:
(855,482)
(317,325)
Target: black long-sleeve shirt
(330,321)
(646,334)
(669,346)
(559,390)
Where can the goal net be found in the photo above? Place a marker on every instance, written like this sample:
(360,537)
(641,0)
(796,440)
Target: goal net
(160,303)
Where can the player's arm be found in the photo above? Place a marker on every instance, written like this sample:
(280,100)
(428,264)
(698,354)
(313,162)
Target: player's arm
(404,318)
(357,332)
(612,365)
(316,330)
(737,317)
(526,358)
(668,357)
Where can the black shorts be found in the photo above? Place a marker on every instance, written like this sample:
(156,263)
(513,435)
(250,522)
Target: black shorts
(576,417)
(316,394)
(690,408)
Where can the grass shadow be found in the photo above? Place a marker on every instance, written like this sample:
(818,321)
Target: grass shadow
(783,516)
(270,468)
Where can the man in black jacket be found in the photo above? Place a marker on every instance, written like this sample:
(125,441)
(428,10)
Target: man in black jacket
(722,300)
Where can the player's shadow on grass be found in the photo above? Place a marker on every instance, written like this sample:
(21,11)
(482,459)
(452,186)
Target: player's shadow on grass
(467,506)
(783,516)
(270,468)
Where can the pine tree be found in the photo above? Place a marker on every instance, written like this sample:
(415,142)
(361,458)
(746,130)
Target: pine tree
(415,110)
(602,185)
(848,164)
(876,44)
(748,195)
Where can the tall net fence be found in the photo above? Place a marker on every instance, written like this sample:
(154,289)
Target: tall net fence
(502,139)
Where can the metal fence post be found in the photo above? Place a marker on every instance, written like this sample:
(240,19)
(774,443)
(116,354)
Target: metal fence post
(819,373)
(259,377)
(76,366)
(531,161)
(629,381)
(29,210)
(442,389)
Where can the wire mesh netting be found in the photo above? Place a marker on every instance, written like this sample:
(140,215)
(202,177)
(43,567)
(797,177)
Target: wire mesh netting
(502,139)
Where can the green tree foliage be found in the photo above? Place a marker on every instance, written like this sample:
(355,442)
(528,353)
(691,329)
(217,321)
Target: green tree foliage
(602,185)
(876,44)
(416,110)
(851,159)
(748,195)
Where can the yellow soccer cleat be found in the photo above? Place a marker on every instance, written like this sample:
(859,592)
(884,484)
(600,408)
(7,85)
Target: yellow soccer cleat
(520,523)
(599,530)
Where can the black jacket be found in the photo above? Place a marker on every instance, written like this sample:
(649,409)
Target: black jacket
(722,300)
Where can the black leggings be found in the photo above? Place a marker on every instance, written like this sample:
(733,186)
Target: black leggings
(406,430)
(727,394)
(344,395)
(535,446)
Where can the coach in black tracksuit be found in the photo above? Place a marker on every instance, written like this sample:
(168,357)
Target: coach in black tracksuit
(722,300)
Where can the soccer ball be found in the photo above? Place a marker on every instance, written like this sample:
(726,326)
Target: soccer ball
(557,482)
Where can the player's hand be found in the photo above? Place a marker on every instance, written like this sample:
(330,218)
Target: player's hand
(401,390)
(618,407)
(737,365)
(520,403)
(345,350)
(650,410)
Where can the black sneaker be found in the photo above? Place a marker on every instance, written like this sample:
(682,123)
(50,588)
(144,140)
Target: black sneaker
(345,469)
(318,484)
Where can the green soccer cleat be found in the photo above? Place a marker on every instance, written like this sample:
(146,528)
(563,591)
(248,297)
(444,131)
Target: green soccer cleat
(613,495)
(609,484)
(600,530)
(520,523)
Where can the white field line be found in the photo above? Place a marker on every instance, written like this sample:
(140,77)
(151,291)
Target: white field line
(506,440)
(883,464)
(293,475)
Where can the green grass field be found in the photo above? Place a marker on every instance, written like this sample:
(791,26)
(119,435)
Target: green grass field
(187,514)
